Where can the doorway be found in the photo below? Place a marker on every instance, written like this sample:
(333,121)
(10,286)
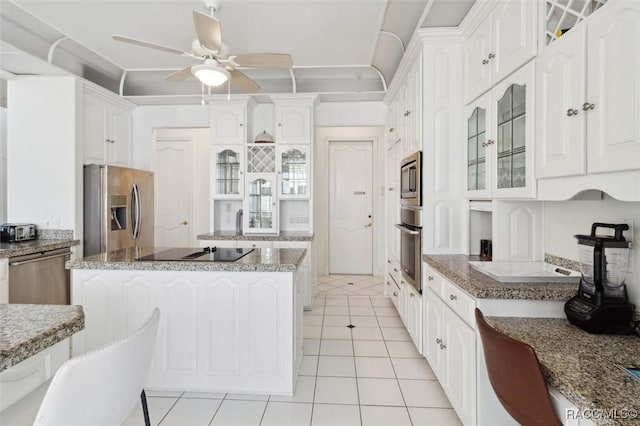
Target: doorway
(181,166)
(350,207)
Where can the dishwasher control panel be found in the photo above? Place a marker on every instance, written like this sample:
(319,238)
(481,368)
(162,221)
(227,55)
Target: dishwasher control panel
(14,232)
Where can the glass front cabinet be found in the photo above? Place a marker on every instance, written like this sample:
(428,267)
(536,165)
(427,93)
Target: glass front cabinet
(293,171)
(260,212)
(228,166)
(499,140)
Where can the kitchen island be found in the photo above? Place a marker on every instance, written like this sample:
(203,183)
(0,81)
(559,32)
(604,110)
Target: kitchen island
(224,326)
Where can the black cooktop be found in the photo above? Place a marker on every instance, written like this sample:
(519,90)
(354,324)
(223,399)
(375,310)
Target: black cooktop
(207,254)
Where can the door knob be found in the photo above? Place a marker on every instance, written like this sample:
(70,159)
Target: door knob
(184,223)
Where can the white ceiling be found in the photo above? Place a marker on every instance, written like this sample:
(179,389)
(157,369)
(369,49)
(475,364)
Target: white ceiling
(331,41)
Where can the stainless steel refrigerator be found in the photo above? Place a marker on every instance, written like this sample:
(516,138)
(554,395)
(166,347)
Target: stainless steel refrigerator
(118,208)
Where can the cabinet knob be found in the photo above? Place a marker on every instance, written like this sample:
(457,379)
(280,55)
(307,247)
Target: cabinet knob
(279,124)
(391,129)
(240,172)
(395,294)
(184,222)
(438,340)
(388,261)
(587,106)
(485,61)
(443,346)
(453,297)
(388,283)
(412,295)
(572,112)
(241,124)
(492,55)
(487,143)
(395,269)
(430,278)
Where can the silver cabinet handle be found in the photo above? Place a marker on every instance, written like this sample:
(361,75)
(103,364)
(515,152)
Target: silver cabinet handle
(388,283)
(587,106)
(388,261)
(492,55)
(438,341)
(412,295)
(572,112)
(443,346)
(395,269)
(453,297)
(395,294)
(279,124)
(241,124)
(430,278)
(485,61)
(487,143)
(391,129)
(391,189)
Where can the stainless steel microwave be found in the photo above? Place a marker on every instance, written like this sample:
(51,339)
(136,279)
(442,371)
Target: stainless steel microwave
(410,177)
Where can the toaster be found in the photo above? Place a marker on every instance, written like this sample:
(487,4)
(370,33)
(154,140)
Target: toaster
(14,232)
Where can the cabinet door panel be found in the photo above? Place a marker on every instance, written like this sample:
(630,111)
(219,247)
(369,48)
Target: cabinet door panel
(514,36)
(293,124)
(433,336)
(228,166)
(477,72)
(228,124)
(560,88)
(479,161)
(95,131)
(266,311)
(119,148)
(260,212)
(613,72)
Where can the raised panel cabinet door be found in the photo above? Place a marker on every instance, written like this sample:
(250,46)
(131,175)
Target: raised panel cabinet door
(514,36)
(433,332)
(401,117)
(414,103)
(177,333)
(613,88)
(560,121)
(120,145)
(402,302)
(267,343)
(228,124)
(480,145)
(228,165)
(414,318)
(95,129)
(477,68)
(293,124)
(460,366)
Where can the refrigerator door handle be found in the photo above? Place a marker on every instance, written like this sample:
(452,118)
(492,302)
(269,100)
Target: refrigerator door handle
(138,211)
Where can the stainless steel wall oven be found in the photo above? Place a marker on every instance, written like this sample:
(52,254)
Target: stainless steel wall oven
(411,245)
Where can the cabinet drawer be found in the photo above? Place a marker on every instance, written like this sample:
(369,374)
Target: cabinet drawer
(394,271)
(432,279)
(255,244)
(393,290)
(460,302)
(22,378)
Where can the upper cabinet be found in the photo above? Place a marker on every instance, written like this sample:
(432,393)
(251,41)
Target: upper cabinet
(293,123)
(227,165)
(588,99)
(229,123)
(504,40)
(500,140)
(404,121)
(293,171)
(260,210)
(106,127)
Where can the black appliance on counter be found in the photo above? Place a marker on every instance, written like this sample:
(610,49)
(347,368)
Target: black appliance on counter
(601,305)
(15,232)
(207,254)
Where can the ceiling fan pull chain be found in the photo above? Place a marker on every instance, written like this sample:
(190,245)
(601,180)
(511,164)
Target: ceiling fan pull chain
(229,89)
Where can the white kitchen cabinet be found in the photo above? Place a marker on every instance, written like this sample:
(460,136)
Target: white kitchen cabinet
(228,167)
(294,171)
(293,123)
(587,103)
(414,316)
(450,343)
(260,207)
(504,40)
(413,113)
(392,198)
(502,149)
(106,130)
(4,280)
(402,301)
(308,275)
(229,123)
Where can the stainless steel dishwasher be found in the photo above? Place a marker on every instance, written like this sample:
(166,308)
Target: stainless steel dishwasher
(40,278)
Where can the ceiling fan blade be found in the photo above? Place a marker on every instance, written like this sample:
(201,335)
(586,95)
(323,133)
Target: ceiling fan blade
(264,60)
(208,31)
(180,75)
(150,45)
(242,82)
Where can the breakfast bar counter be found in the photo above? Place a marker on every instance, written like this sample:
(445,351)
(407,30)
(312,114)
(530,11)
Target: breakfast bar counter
(581,366)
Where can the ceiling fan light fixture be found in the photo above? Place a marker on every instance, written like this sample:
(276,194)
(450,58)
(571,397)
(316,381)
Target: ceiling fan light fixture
(211,75)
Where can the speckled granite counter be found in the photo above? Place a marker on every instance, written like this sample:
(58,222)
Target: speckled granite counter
(457,269)
(282,236)
(259,260)
(35,246)
(580,365)
(26,330)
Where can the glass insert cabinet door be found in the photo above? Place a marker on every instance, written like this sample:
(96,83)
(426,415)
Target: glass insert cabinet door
(511,150)
(293,171)
(260,205)
(476,150)
(228,178)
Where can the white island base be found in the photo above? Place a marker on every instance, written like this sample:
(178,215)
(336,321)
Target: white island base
(231,332)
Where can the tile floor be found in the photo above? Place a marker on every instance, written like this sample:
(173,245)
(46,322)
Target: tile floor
(368,375)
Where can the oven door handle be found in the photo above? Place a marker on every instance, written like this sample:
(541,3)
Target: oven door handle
(407,230)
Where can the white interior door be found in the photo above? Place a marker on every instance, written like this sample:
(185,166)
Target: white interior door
(350,208)
(173,193)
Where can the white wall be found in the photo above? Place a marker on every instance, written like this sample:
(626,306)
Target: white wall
(325,135)
(564,219)
(351,114)
(43,176)
(3,165)
(148,118)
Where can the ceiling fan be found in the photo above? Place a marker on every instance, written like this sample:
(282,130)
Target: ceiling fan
(218,66)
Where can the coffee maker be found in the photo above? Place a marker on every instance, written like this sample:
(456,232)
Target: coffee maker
(601,305)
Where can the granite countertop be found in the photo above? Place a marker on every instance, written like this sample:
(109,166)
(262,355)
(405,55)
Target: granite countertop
(34,246)
(580,365)
(456,268)
(259,260)
(282,236)
(26,330)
